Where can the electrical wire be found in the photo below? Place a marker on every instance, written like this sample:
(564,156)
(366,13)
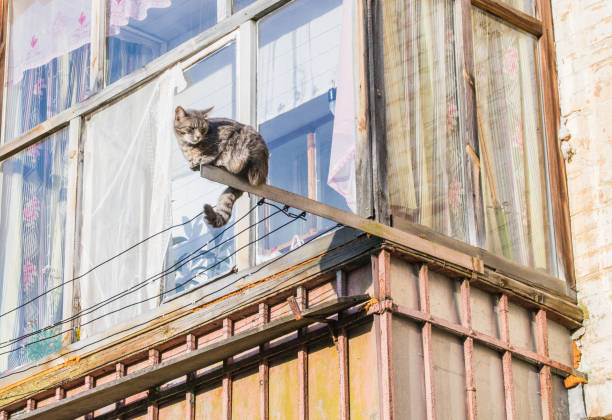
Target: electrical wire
(166,314)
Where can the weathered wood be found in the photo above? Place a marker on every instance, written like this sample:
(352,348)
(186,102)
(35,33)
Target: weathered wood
(344,374)
(511,15)
(97,78)
(348,219)
(556,163)
(181,365)
(381,274)
(468,351)
(504,326)
(545,374)
(376,104)
(181,316)
(4,43)
(426,332)
(139,77)
(302,359)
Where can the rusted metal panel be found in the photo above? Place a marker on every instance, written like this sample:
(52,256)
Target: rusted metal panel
(245,398)
(323,381)
(284,388)
(208,402)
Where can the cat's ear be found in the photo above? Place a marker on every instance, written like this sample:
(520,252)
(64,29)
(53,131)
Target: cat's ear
(179,113)
(207,111)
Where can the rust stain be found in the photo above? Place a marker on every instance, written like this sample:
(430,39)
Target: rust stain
(571,381)
(576,353)
(280,273)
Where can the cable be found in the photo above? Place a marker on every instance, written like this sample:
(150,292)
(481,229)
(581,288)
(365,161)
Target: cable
(100,264)
(143,283)
(151,320)
(133,288)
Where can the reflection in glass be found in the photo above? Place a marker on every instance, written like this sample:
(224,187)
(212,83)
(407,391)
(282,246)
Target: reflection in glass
(140,31)
(306,111)
(211,82)
(32,220)
(49,61)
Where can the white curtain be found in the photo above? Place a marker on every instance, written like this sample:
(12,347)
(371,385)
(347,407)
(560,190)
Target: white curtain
(126,198)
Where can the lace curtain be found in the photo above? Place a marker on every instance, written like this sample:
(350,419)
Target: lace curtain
(32,226)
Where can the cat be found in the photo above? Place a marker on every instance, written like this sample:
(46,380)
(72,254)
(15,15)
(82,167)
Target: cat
(224,143)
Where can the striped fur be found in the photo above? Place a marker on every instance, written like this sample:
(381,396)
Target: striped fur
(225,143)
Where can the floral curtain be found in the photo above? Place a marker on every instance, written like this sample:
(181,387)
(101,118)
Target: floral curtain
(32,225)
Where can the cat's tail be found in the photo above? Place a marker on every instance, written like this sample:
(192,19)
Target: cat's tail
(257,172)
(223,212)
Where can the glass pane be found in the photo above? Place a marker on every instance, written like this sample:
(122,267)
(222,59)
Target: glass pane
(512,144)
(306,108)
(49,60)
(426,176)
(525,6)
(32,219)
(215,75)
(140,31)
(241,4)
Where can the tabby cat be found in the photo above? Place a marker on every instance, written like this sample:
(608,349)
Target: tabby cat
(224,143)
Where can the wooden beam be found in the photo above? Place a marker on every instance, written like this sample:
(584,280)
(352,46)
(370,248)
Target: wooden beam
(302,357)
(181,365)
(344,374)
(468,351)
(381,274)
(348,219)
(511,15)
(430,402)
(545,373)
(503,317)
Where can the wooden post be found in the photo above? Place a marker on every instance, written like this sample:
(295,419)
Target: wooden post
(120,372)
(426,337)
(545,379)
(90,383)
(190,345)
(503,311)
(30,405)
(264,367)
(344,374)
(468,351)
(302,361)
(60,393)
(381,266)
(97,78)
(153,407)
(4,415)
(228,331)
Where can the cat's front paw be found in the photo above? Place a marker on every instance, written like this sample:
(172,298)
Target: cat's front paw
(194,166)
(211,216)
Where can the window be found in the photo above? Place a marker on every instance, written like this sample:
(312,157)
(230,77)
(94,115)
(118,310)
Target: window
(48,68)
(32,230)
(487,187)
(306,111)
(139,31)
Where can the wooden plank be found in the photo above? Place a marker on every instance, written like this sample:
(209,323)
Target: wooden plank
(344,374)
(97,77)
(348,219)
(504,326)
(191,344)
(139,77)
(381,272)
(181,316)
(426,332)
(226,382)
(376,103)
(468,351)
(264,366)
(556,163)
(545,373)
(187,362)
(302,356)
(511,15)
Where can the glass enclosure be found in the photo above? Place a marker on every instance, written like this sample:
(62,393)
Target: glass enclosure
(140,31)
(306,111)
(48,69)
(33,186)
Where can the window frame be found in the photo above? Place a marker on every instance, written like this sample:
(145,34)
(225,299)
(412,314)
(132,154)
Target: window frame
(372,191)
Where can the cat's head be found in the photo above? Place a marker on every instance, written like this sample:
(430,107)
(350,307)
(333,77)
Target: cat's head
(191,125)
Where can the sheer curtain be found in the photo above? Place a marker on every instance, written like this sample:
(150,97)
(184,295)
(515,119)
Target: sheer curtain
(425,151)
(126,198)
(511,137)
(32,226)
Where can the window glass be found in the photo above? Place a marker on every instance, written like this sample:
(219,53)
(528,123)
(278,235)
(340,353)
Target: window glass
(241,4)
(32,220)
(142,30)
(136,184)
(525,6)
(48,60)
(512,144)
(306,111)
(426,152)
(211,82)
